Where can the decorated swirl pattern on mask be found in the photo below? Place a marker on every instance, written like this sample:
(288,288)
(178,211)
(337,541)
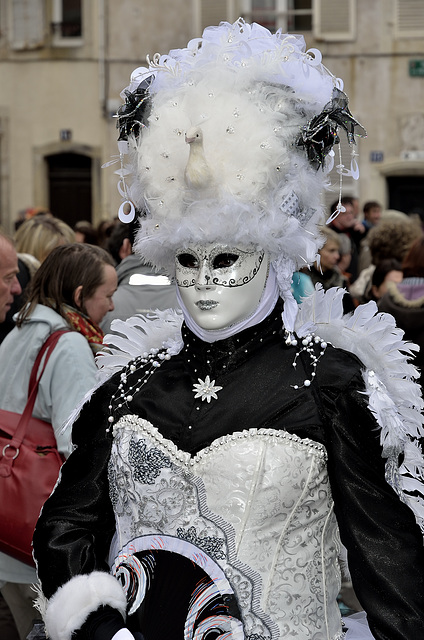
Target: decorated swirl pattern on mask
(219,266)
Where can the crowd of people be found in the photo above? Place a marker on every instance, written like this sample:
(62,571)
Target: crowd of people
(231,455)
(362,253)
(54,278)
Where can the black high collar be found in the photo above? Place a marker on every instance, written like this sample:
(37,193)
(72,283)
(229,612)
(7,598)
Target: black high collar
(214,358)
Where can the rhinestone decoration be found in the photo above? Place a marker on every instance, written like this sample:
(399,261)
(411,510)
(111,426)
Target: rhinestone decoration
(290,204)
(206,389)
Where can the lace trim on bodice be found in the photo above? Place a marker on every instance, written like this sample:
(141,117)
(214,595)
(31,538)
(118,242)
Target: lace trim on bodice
(137,424)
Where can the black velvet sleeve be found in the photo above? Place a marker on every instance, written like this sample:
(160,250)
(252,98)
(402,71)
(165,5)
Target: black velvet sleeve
(384,543)
(102,624)
(74,531)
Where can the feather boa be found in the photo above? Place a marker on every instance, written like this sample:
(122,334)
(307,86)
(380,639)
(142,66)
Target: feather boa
(393,397)
(140,334)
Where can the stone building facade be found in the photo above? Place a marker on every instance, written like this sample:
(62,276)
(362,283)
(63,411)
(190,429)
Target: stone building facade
(63,64)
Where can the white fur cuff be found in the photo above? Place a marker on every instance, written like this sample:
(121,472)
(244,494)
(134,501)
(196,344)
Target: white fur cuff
(70,606)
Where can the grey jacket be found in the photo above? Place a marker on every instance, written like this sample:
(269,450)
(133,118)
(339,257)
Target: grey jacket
(140,290)
(69,374)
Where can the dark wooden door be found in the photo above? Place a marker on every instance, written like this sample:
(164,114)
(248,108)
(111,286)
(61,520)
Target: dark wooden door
(70,197)
(406,193)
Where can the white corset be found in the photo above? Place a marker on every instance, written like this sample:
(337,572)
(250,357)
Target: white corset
(254,510)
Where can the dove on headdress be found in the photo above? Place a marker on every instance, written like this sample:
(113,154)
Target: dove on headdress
(197,174)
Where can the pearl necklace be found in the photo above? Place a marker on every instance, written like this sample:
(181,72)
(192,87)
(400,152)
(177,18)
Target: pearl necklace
(309,344)
(149,362)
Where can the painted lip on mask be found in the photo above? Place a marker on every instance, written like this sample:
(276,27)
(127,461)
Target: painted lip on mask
(205,305)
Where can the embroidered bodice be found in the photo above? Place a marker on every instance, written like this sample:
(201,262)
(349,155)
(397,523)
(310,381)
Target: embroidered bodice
(253,510)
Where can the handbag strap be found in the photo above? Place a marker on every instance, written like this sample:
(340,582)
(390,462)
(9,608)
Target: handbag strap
(48,347)
(12,448)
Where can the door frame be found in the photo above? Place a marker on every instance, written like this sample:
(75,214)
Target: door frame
(41,173)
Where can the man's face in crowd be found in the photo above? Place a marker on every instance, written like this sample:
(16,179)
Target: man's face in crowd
(345,219)
(9,284)
(374,215)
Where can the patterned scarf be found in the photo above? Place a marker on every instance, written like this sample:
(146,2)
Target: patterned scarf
(81,323)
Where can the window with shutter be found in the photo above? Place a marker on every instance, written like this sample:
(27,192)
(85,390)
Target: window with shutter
(27,28)
(67,23)
(335,20)
(3,27)
(409,18)
(291,16)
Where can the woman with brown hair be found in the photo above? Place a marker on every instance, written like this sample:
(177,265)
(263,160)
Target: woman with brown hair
(71,290)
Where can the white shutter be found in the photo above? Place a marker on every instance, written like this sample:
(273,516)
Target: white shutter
(409,18)
(27,24)
(335,20)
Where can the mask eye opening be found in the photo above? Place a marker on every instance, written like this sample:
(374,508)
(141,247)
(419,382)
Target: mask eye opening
(187,260)
(224,260)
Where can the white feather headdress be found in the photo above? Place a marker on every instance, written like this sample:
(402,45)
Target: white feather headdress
(229,140)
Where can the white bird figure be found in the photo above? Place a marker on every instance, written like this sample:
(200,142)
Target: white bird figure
(197,174)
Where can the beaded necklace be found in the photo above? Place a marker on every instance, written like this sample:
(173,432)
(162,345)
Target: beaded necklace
(309,343)
(149,362)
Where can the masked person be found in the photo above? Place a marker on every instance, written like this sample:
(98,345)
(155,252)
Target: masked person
(229,444)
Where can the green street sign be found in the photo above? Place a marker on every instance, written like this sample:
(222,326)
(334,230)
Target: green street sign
(416,68)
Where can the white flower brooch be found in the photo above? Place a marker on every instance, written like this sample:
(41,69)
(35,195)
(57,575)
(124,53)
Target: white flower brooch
(206,389)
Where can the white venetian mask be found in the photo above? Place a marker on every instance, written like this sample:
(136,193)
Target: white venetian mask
(220,285)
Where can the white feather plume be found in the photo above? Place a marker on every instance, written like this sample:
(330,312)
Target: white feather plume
(140,334)
(393,397)
(249,93)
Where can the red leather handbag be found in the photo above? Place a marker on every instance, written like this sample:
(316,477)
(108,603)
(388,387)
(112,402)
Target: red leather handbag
(29,467)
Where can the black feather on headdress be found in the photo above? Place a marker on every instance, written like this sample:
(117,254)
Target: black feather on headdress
(321,133)
(132,116)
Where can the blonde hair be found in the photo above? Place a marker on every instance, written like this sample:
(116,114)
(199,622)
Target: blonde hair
(328,234)
(39,235)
